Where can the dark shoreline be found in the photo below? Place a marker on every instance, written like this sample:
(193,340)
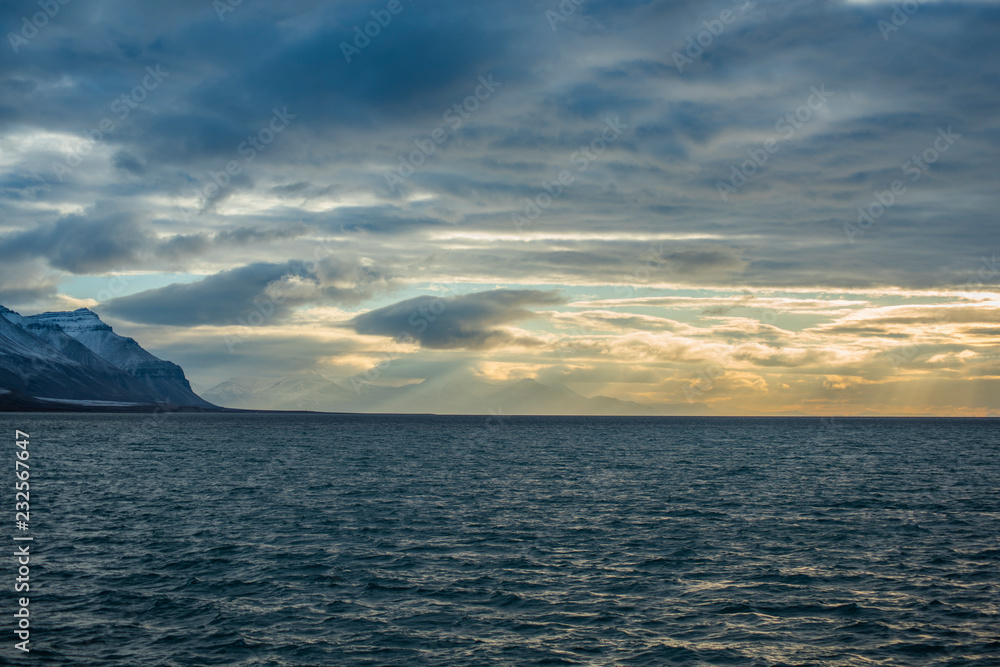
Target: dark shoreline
(15,402)
(44,408)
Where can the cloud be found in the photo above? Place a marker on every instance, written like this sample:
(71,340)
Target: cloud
(81,244)
(471,321)
(744,283)
(110,236)
(26,283)
(229,297)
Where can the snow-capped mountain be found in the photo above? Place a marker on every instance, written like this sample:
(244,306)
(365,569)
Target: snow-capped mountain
(77,357)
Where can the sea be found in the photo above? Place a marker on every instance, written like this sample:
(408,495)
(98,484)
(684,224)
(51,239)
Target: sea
(298,539)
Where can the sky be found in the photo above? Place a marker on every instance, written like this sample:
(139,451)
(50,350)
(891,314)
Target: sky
(763,207)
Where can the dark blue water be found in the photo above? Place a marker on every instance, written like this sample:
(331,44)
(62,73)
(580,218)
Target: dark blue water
(452,541)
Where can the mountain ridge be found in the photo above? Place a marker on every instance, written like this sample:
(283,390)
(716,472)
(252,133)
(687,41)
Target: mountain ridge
(75,356)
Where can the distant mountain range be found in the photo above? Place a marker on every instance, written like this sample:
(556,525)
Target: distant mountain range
(313,391)
(74,360)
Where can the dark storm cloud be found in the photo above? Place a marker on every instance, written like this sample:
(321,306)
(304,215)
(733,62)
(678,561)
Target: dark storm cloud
(470,321)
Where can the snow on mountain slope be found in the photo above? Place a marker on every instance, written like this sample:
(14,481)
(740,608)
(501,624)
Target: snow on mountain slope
(164,379)
(77,356)
(66,344)
(52,334)
(11,316)
(86,327)
(30,365)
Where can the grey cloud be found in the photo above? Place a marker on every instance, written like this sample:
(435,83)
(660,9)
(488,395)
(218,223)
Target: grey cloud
(471,321)
(244,235)
(182,247)
(128,163)
(110,236)
(220,299)
(271,289)
(81,244)
(688,129)
(23,283)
